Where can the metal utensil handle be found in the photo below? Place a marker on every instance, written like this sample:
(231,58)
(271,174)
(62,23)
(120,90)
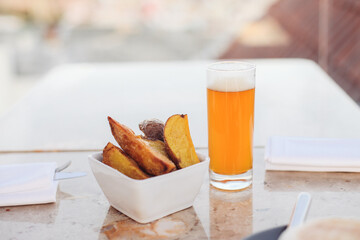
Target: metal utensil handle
(300,210)
(68,175)
(62,167)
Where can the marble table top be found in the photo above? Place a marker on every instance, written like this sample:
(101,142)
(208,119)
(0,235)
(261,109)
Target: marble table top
(82,211)
(67,111)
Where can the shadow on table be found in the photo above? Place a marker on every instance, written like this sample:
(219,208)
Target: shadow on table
(311,181)
(181,225)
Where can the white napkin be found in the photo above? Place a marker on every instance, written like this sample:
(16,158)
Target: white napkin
(312,154)
(30,183)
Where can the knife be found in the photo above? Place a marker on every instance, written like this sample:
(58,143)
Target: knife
(68,175)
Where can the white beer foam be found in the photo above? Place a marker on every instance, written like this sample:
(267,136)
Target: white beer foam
(231,84)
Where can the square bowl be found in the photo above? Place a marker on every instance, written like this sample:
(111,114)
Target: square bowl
(153,198)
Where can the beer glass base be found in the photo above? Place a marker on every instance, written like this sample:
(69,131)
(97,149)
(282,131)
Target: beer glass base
(231,182)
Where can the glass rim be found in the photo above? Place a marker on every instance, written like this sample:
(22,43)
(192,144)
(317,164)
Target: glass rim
(247,66)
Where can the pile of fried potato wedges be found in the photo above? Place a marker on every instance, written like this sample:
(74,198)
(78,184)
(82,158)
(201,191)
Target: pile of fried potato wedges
(163,148)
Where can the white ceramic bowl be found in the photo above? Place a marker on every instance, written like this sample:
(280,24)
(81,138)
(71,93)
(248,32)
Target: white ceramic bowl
(152,198)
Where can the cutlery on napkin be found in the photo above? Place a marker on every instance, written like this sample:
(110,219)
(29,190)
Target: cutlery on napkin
(66,175)
(31,183)
(312,154)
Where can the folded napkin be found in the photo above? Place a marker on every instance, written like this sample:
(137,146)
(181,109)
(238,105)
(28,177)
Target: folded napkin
(30,183)
(312,154)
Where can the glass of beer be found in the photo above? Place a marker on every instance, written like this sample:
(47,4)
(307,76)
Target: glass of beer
(230,105)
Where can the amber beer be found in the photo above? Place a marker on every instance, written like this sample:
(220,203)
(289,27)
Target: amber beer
(230,102)
(231,117)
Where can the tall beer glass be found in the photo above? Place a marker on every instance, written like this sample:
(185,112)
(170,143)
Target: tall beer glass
(230,103)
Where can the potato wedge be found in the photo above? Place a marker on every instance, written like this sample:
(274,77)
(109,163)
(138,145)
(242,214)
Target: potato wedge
(153,129)
(151,161)
(117,159)
(178,141)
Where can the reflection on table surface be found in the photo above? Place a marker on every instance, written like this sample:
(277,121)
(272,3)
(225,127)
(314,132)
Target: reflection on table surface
(82,211)
(230,214)
(184,224)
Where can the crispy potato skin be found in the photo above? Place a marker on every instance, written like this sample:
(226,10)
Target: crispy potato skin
(153,129)
(117,159)
(178,141)
(151,161)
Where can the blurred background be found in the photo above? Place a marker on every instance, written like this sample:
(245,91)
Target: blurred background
(37,35)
